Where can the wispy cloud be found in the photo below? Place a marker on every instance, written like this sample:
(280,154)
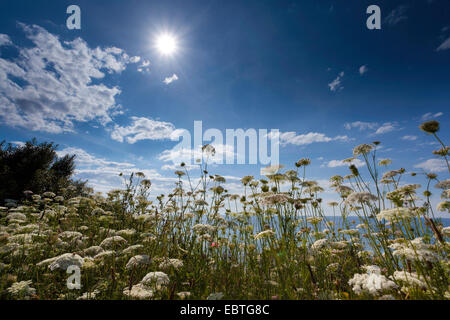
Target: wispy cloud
(430,115)
(336,84)
(397,15)
(363,69)
(361,125)
(432,165)
(444,45)
(305,139)
(409,138)
(386,127)
(171,79)
(4,40)
(342,163)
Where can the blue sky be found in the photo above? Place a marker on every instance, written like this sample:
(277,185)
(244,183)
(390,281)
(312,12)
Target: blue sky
(308,68)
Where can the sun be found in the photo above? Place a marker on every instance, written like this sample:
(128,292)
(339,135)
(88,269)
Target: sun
(166,44)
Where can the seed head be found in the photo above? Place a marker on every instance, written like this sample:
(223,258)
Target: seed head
(430,126)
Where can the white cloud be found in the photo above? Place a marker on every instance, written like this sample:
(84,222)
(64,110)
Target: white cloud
(135,59)
(189,156)
(304,139)
(386,127)
(432,165)
(103,174)
(5,40)
(363,69)
(429,116)
(360,125)
(340,163)
(50,86)
(444,45)
(397,15)
(409,138)
(171,79)
(144,129)
(336,83)
(144,66)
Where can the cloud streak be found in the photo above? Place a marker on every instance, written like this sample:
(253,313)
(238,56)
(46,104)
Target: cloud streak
(336,84)
(171,79)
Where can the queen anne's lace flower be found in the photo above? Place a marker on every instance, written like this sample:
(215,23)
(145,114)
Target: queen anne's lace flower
(319,244)
(157,278)
(137,261)
(372,282)
(132,249)
(446,231)
(171,263)
(89,295)
(410,279)
(112,242)
(125,232)
(275,199)
(360,197)
(351,232)
(139,291)
(264,234)
(183,295)
(444,184)
(362,149)
(203,228)
(314,220)
(104,254)
(16,216)
(395,214)
(65,260)
(444,206)
(215,296)
(414,250)
(70,235)
(21,289)
(93,251)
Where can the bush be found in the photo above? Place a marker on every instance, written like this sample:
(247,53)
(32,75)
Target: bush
(35,167)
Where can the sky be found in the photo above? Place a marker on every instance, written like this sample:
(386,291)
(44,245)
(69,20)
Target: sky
(311,69)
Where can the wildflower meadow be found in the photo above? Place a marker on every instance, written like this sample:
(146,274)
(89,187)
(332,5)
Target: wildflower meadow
(274,240)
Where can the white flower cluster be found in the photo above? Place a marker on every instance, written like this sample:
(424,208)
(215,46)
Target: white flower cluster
(22,289)
(360,197)
(145,288)
(372,282)
(62,262)
(410,279)
(414,250)
(264,234)
(113,241)
(171,263)
(395,214)
(319,244)
(203,228)
(137,261)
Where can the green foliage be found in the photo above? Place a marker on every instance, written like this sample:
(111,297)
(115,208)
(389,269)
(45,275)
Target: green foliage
(35,167)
